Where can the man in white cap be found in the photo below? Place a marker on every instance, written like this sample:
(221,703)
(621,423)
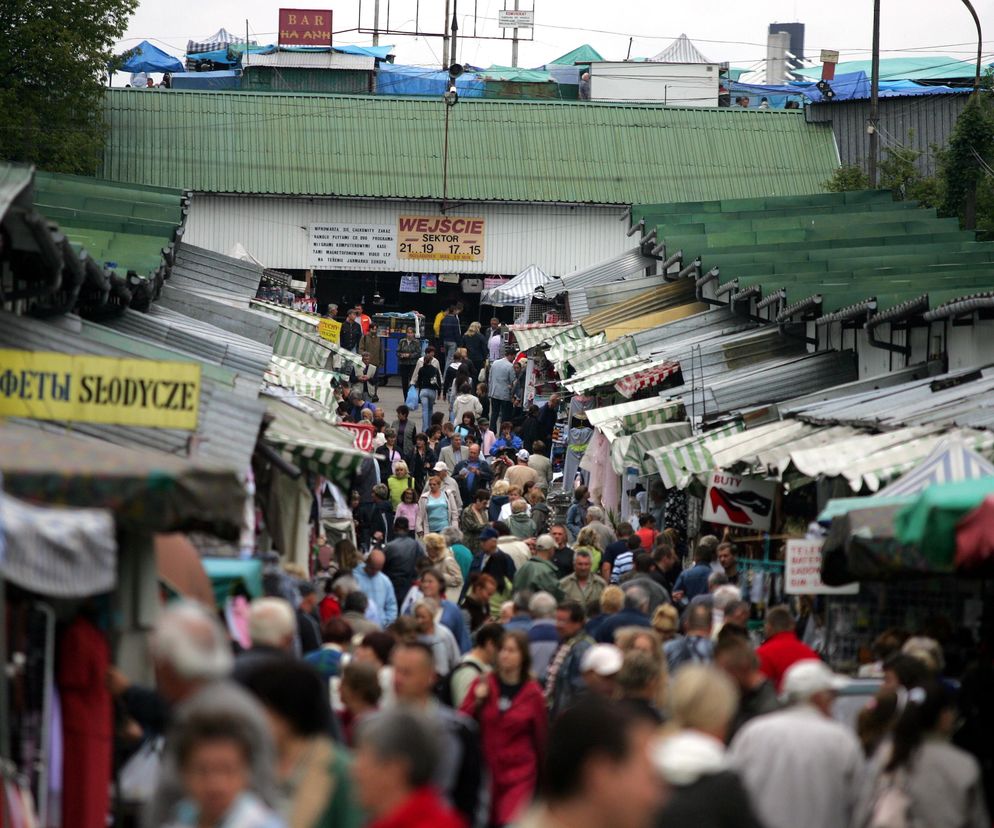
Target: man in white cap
(521,473)
(448,482)
(799,765)
(600,667)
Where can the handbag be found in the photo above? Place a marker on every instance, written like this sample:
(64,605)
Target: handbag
(139,776)
(892,805)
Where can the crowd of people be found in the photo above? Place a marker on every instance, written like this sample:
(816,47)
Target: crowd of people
(543,681)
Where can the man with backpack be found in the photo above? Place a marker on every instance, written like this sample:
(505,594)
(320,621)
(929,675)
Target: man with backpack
(696,646)
(479,660)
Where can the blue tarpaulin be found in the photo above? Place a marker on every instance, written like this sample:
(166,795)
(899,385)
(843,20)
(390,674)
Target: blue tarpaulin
(851,86)
(416,80)
(148,58)
(221,79)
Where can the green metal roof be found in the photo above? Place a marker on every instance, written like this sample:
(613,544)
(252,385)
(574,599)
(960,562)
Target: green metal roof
(124,227)
(845,249)
(498,150)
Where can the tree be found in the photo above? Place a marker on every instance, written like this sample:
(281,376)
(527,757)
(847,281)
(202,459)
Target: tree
(846,178)
(54,58)
(966,161)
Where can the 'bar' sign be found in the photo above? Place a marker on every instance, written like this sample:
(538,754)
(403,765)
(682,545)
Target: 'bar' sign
(305,27)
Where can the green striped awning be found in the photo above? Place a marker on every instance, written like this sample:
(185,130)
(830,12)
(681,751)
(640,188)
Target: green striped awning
(619,349)
(630,417)
(311,349)
(308,382)
(631,451)
(562,349)
(604,373)
(678,462)
(528,336)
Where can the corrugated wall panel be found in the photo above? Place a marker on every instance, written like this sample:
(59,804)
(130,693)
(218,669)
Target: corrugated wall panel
(296,144)
(916,122)
(558,239)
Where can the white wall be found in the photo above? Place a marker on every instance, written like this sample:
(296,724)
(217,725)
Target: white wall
(677,84)
(558,239)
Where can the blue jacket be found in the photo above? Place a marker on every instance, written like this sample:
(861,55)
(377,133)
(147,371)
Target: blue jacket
(453,618)
(693,581)
(379,590)
(604,633)
(449,329)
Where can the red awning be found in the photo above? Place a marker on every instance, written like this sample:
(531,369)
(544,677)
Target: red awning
(628,386)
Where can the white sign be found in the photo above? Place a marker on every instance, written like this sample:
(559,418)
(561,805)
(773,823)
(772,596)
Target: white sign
(829,56)
(803,571)
(516,19)
(733,500)
(348,246)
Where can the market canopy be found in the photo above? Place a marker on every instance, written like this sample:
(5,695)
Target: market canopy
(681,50)
(929,522)
(581,54)
(147,491)
(62,553)
(148,58)
(518,290)
(528,336)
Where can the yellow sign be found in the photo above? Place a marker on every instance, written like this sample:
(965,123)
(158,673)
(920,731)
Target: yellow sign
(330,329)
(442,238)
(91,389)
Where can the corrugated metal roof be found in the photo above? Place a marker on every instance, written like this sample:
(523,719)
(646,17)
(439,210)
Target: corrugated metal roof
(228,424)
(310,60)
(663,297)
(631,263)
(602,296)
(15,181)
(202,269)
(353,145)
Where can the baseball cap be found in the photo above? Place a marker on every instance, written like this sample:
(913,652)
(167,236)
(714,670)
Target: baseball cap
(603,659)
(440,466)
(545,542)
(523,454)
(805,678)
(489,533)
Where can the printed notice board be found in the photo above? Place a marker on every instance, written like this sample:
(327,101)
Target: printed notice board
(441,238)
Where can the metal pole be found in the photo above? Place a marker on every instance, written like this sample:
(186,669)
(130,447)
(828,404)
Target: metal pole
(873,126)
(445,160)
(246,55)
(445,39)
(455,32)
(514,42)
(376,22)
(980,45)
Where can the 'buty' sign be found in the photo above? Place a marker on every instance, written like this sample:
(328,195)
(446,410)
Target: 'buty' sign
(77,388)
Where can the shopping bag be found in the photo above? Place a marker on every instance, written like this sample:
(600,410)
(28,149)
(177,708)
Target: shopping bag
(412,398)
(139,776)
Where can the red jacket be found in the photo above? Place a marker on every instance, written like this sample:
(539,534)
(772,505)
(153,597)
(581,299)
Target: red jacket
(779,652)
(422,809)
(513,744)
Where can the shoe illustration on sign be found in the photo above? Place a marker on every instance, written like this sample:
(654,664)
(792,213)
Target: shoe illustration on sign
(720,499)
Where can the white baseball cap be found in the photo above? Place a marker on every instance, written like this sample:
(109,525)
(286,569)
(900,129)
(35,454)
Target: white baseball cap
(603,659)
(805,678)
(440,466)
(523,454)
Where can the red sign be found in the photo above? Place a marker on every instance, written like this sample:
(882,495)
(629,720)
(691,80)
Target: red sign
(305,27)
(364,434)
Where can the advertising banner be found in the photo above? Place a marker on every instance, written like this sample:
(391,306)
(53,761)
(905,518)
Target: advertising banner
(441,238)
(802,573)
(350,246)
(364,434)
(330,329)
(739,501)
(305,27)
(137,392)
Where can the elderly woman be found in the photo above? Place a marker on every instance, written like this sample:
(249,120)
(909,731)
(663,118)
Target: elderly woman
(436,508)
(398,482)
(437,636)
(442,559)
(454,539)
(432,585)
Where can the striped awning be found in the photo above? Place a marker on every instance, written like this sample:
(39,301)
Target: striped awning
(631,451)
(604,372)
(619,349)
(528,336)
(312,350)
(630,385)
(630,417)
(563,347)
(678,462)
(308,382)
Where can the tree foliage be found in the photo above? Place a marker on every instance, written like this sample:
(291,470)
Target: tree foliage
(846,178)
(54,56)
(965,163)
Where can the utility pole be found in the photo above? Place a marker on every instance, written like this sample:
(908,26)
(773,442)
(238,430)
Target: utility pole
(445,39)
(873,126)
(455,32)
(514,42)
(246,56)
(376,22)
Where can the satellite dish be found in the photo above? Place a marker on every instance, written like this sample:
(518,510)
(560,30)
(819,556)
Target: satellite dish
(455,70)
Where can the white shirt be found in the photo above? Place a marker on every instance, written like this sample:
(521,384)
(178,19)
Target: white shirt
(800,768)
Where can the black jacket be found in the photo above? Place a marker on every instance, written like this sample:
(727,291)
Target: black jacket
(350,335)
(715,800)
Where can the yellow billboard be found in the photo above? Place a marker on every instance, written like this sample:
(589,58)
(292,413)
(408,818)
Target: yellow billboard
(92,389)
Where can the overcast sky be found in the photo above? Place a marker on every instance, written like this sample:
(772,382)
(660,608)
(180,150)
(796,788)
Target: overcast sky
(723,31)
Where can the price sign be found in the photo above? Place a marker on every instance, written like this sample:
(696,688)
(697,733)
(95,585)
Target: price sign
(441,238)
(803,571)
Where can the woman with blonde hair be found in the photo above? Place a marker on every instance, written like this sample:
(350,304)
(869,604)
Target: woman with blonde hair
(399,482)
(443,560)
(589,540)
(436,508)
(666,622)
(645,684)
(704,791)
(475,344)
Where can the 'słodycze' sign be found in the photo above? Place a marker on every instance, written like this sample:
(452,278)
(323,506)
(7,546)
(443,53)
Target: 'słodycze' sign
(733,500)
(802,573)
(91,389)
(305,27)
(441,238)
